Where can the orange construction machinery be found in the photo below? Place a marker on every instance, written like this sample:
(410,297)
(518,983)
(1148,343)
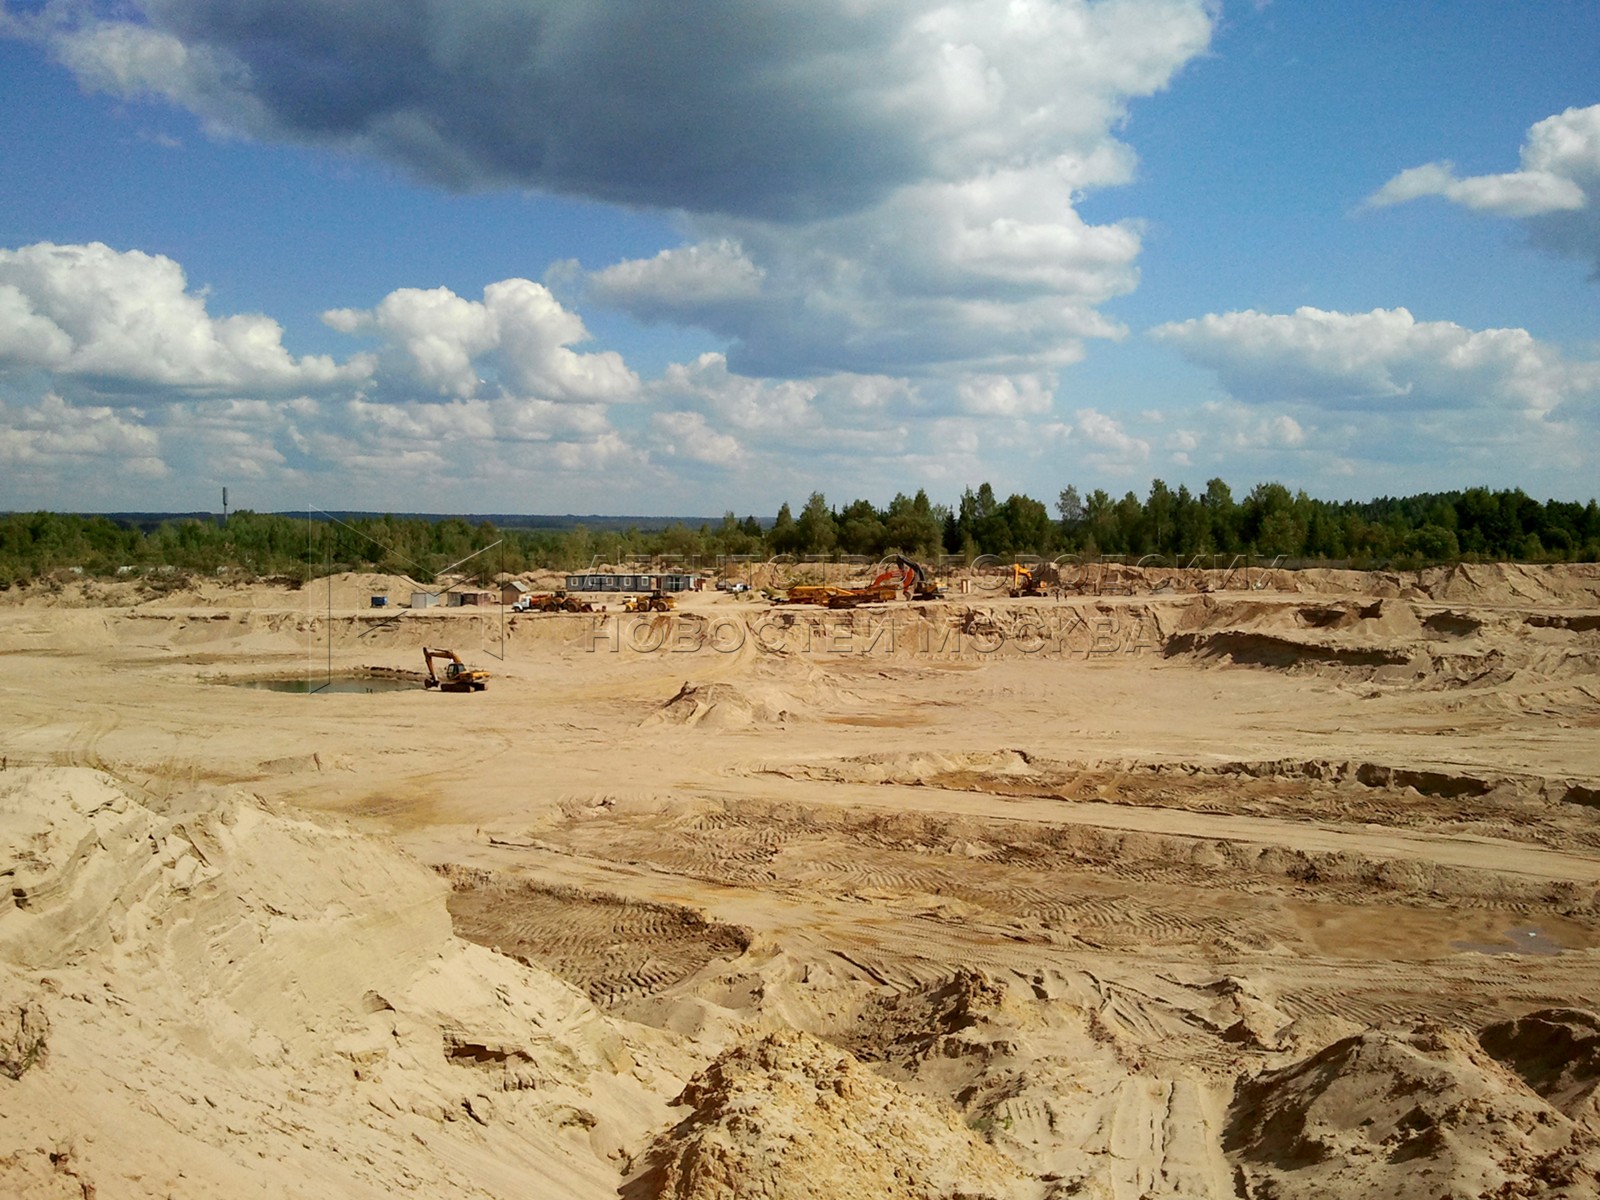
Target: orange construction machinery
(1029,581)
(897,575)
(458,677)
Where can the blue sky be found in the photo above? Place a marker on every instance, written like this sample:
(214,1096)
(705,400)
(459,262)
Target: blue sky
(514,255)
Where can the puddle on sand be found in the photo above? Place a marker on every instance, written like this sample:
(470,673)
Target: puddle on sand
(880,720)
(1524,939)
(358,684)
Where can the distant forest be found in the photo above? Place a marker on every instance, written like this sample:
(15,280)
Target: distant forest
(1476,525)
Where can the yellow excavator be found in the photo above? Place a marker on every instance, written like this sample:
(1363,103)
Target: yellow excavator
(458,677)
(1028,581)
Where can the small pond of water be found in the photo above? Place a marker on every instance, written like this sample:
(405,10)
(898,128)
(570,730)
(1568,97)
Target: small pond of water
(339,683)
(1525,939)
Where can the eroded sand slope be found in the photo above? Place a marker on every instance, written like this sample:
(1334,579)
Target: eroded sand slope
(1291,890)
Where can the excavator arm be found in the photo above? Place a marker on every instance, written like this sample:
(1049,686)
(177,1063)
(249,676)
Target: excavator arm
(906,577)
(458,677)
(907,574)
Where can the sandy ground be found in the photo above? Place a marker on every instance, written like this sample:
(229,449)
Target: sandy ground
(1286,887)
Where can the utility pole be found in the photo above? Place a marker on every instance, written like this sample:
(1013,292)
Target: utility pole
(224,506)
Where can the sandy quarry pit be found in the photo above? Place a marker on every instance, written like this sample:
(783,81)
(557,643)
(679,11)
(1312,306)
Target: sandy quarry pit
(1287,890)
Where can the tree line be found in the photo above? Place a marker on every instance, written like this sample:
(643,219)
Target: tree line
(1475,525)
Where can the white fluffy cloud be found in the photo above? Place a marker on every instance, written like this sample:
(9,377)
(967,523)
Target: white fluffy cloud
(1557,188)
(1514,194)
(1560,156)
(1005,395)
(689,278)
(1105,438)
(515,341)
(688,435)
(1382,360)
(878,188)
(124,323)
(219,398)
(53,438)
(458,389)
(995,273)
(1358,396)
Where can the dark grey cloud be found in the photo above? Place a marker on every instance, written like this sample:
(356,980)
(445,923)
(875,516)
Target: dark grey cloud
(870,185)
(779,111)
(1571,234)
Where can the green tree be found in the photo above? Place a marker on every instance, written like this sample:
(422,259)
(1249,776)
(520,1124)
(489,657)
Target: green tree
(1271,523)
(1191,522)
(862,530)
(816,529)
(1433,544)
(784,536)
(1028,520)
(911,526)
(1070,505)
(1160,519)
(1222,516)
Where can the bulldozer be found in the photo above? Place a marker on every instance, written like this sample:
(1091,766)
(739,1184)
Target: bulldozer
(656,601)
(458,677)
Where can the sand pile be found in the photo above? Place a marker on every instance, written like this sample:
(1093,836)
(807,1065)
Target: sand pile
(1349,634)
(1477,583)
(1419,1111)
(345,590)
(355,589)
(1513,583)
(721,706)
(1557,1053)
(930,768)
(754,691)
(70,592)
(1393,641)
(207,998)
(792,1118)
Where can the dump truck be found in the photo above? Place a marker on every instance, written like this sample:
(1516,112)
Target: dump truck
(552,602)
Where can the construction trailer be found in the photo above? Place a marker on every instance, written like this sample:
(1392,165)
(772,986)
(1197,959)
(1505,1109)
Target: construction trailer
(646,582)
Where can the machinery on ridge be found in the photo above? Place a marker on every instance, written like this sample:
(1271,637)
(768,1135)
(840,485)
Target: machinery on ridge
(549,602)
(905,575)
(1028,581)
(656,601)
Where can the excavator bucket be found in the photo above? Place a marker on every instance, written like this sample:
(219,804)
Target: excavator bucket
(457,677)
